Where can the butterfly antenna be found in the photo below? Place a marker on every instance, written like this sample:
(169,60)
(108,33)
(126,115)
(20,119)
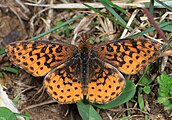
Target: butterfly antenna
(84,37)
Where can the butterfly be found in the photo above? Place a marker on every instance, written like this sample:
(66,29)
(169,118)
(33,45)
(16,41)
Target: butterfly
(74,71)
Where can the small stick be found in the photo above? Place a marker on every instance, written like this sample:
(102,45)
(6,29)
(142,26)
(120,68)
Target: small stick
(151,20)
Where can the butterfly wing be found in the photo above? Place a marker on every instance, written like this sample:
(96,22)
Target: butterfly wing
(105,82)
(64,82)
(39,57)
(128,55)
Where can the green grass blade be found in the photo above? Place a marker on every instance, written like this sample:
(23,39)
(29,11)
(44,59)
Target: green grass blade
(57,27)
(165,5)
(161,25)
(140,101)
(151,7)
(167,28)
(122,22)
(8,69)
(103,14)
(115,6)
(167,43)
(1,75)
(2,50)
(147,68)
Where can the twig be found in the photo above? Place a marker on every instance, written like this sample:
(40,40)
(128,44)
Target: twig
(40,104)
(151,20)
(25,90)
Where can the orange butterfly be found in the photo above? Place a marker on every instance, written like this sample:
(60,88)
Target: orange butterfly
(74,71)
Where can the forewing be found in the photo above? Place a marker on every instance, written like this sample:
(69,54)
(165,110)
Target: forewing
(39,57)
(63,83)
(128,55)
(105,83)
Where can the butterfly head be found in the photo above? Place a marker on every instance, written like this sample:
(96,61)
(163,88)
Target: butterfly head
(84,41)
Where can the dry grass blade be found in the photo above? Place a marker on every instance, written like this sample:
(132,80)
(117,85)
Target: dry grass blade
(131,19)
(141,4)
(165,16)
(164,63)
(3,6)
(107,27)
(33,19)
(14,10)
(23,6)
(83,26)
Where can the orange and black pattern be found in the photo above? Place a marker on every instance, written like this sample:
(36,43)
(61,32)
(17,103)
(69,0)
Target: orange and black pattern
(73,72)
(129,55)
(39,57)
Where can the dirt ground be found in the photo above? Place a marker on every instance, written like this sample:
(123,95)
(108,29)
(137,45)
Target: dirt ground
(19,22)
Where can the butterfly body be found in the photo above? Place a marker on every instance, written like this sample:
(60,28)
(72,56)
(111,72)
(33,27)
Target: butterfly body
(84,57)
(84,70)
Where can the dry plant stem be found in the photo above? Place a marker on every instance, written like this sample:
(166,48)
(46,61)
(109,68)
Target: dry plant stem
(25,90)
(22,24)
(151,20)
(50,12)
(109,116)
(165,15)
(129,23)
(147,108)
(116,109)
(136,116)
(64,1)
(42,90)
(164,63)
(157,40)
(40,104)
(63,15)
(3,6)
(137,110)
(67,111)
(154,76)
(101,22)
(167,53)
(47,27)
(106,27)
(81,6)
(22,5)
(82,26)
(1,57)
(33,18)
(48,19)
(124,110)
